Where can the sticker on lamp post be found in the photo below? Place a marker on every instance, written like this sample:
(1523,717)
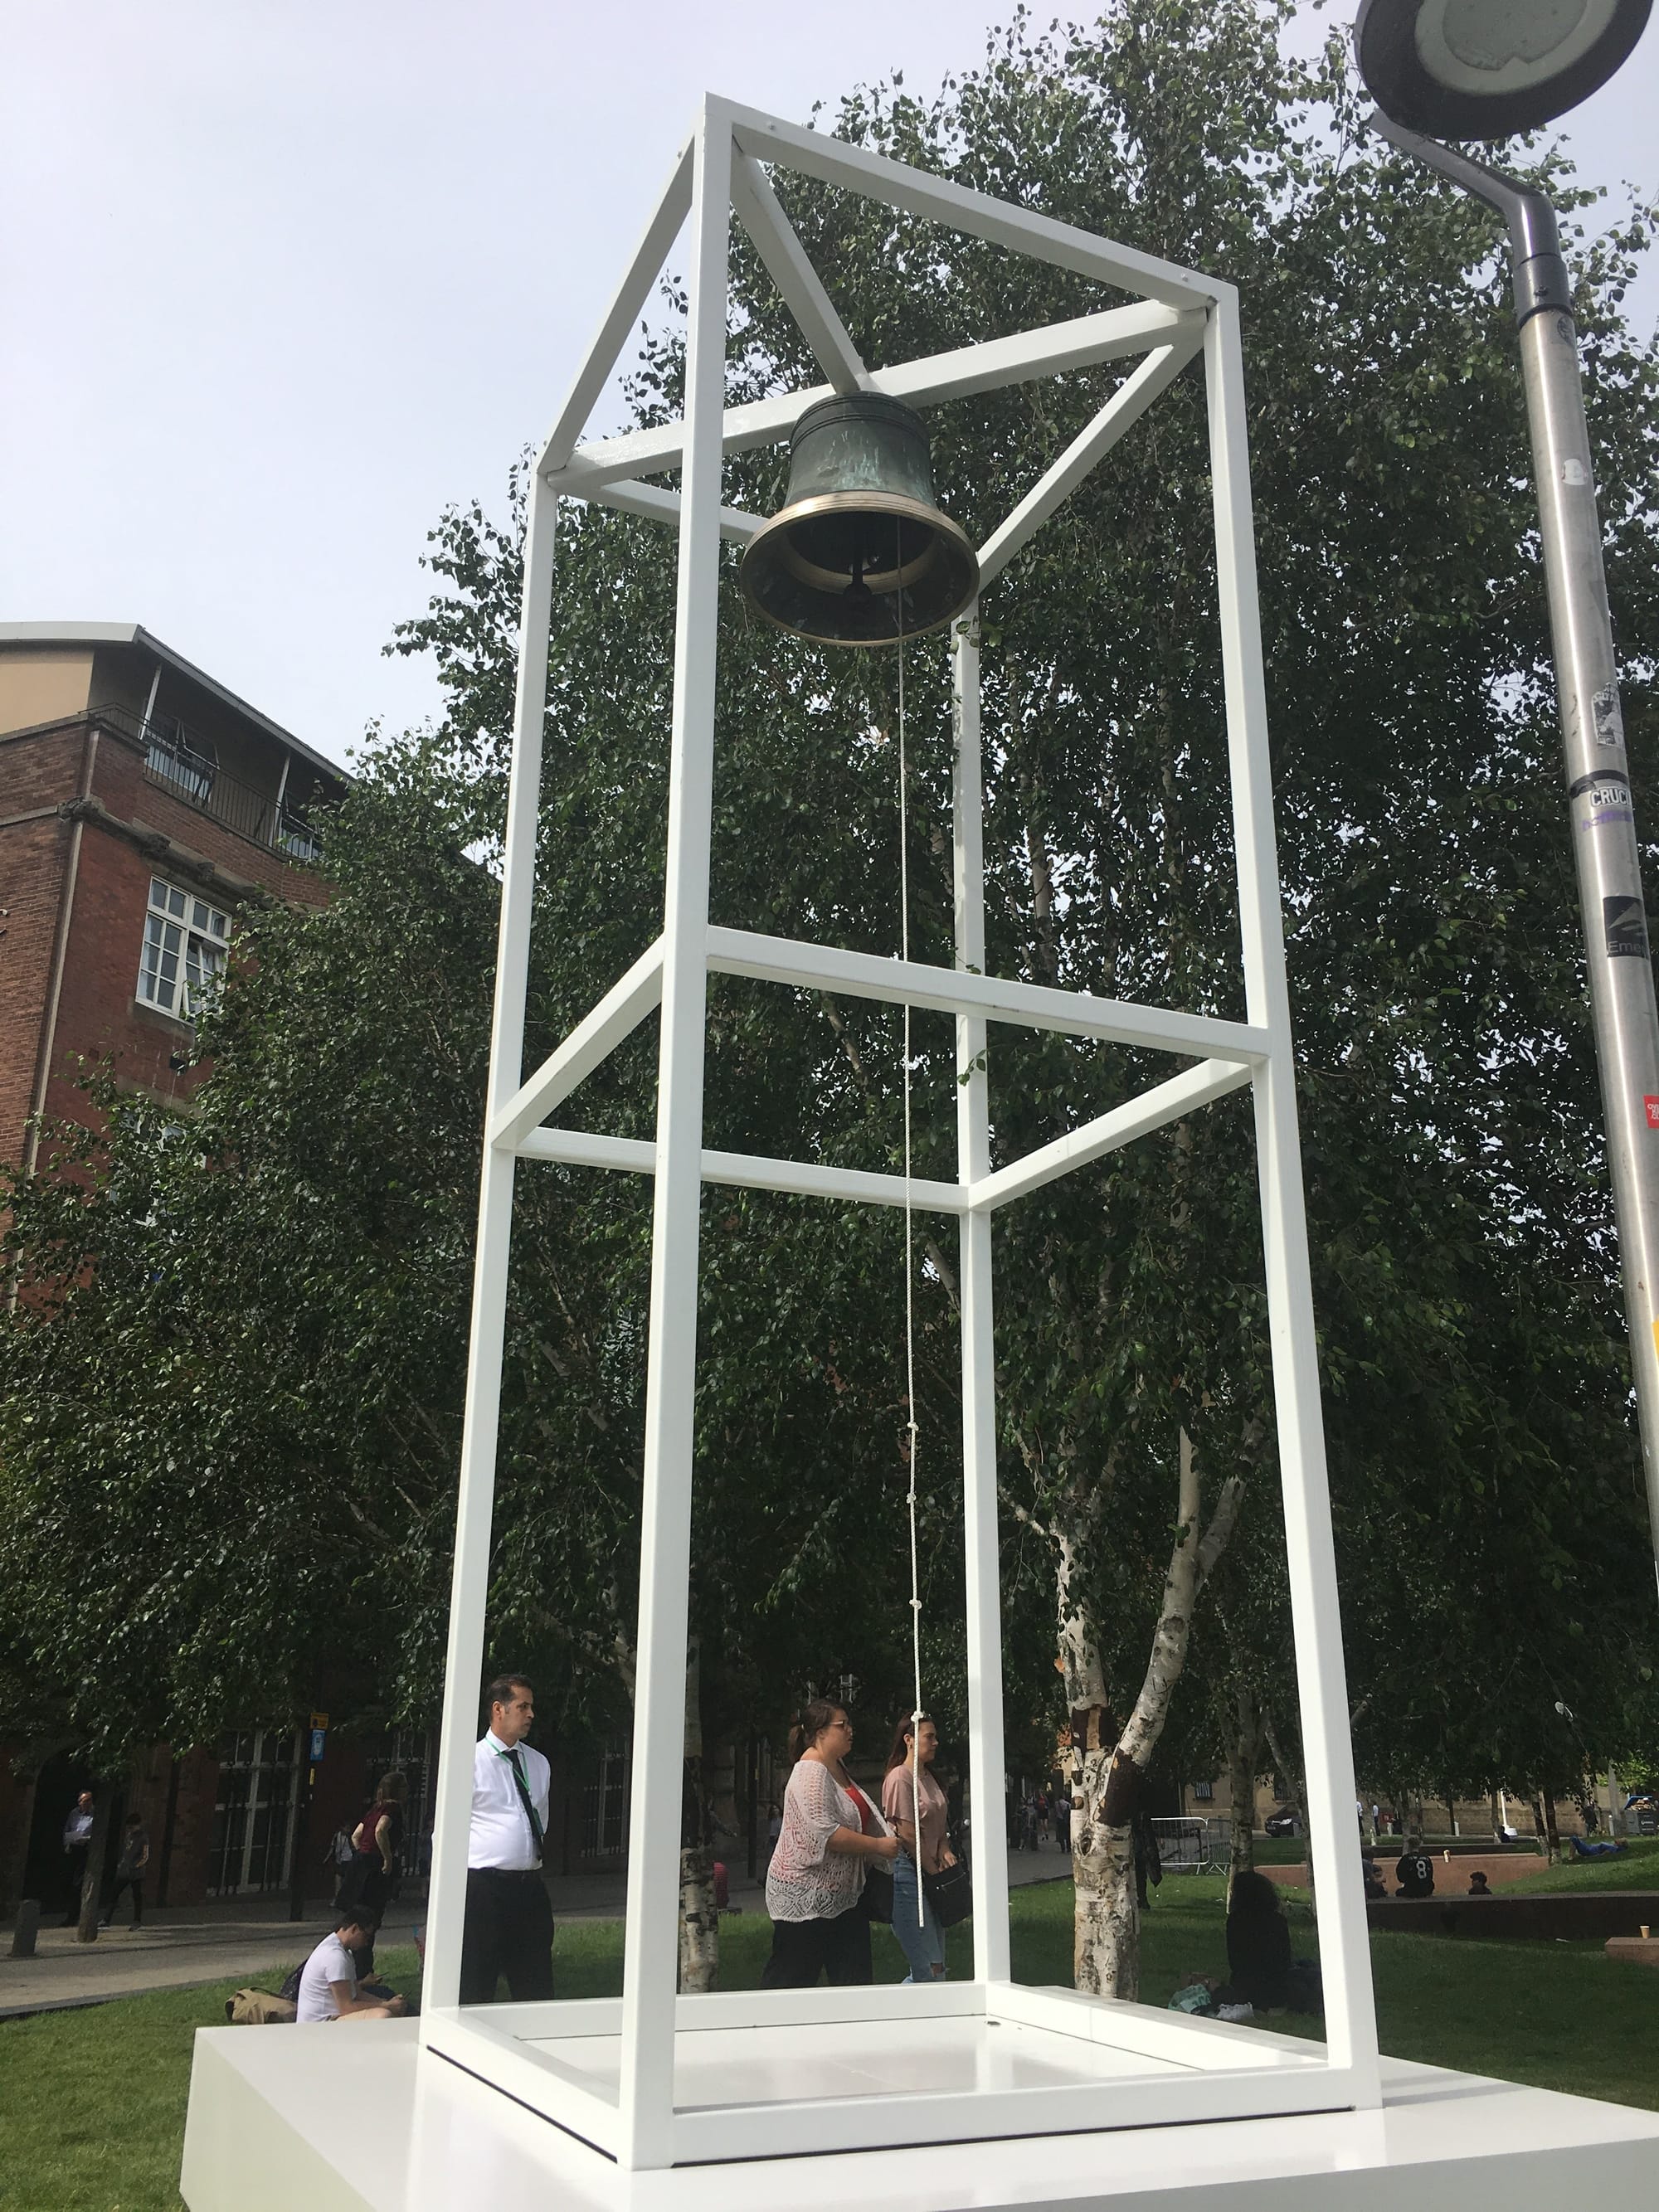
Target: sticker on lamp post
(1651,1104)
(1626,928)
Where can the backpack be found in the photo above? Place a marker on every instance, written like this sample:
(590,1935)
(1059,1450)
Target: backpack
(258,2008)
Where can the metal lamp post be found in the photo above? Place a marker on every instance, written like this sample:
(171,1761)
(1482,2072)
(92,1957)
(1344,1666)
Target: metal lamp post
(1487,68)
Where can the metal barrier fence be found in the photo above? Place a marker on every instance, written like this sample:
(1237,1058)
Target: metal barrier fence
(1192,1846)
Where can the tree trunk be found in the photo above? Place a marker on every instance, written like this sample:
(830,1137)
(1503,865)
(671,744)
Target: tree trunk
(15,1873)
(1241,1777)
(1288,1764)
(700,1926)
(1108,1777)
(92,1881)
(721,1773)
(1547,1828)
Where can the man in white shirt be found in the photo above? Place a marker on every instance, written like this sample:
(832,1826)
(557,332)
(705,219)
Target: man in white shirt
(509,1915)
(328,1987)
(77,1836)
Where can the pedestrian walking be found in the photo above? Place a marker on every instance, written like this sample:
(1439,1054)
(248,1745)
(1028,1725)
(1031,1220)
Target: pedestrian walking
(338,1857)
(1062,1805)
(375,1843)
(906,1789)
(508,1927)
(77,1837)
(815,1883)
(130,1871)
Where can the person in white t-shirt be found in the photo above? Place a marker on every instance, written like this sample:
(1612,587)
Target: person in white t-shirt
(328,1987)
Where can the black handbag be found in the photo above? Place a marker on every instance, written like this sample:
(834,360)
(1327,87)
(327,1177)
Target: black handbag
(878,1899)
(949,1895)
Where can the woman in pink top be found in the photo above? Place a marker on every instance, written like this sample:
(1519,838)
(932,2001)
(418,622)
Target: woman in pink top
(815,1882)
(910,1789)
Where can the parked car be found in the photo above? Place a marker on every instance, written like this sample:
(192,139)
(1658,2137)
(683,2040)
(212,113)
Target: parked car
(1282,1824)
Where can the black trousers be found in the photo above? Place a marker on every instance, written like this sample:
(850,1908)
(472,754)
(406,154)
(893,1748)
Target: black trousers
(509,1930)
(135,1883)
(75,1874)
(803,1949)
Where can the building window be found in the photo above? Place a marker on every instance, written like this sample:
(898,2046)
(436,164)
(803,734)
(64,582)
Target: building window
(605,1804)
(253,1814)
(186,942)
(1204,1792)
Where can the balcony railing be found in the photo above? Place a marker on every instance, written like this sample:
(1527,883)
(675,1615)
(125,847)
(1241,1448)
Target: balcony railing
(179,763)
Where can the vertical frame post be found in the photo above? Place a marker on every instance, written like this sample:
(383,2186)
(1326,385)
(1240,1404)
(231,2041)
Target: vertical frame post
(476,1497)
(651,1970)
(986,1757)
(1345,1952)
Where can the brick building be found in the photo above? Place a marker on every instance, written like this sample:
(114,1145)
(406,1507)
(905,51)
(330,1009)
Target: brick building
(142,805)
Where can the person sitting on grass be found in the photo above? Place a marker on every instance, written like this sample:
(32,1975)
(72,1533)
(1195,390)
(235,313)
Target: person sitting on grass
(1260,1970)
(1414,1872)
(1479,1885)
(328,1980)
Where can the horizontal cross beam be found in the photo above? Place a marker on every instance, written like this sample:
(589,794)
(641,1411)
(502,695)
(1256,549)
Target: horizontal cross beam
(747,1171)
(987,998)
(835,162)
(1084,343)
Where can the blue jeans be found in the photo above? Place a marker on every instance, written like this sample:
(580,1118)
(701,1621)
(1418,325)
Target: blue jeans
(923,1944)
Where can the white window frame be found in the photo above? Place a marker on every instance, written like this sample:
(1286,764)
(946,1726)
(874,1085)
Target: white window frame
(186,943)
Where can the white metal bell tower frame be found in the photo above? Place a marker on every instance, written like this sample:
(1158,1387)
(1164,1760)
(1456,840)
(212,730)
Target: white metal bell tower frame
(651,2080)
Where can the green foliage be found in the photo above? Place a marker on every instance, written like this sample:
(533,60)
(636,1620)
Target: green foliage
(234,1421)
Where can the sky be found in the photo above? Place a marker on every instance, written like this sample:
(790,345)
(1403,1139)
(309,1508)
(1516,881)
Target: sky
(283,281)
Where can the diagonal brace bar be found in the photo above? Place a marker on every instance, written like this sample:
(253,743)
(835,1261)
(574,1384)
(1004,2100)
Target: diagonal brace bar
(594,1038)
(624,311)
(1121,411)
(657,504)
(1137,1117)
(991,997)
(786,263)
(582,1148)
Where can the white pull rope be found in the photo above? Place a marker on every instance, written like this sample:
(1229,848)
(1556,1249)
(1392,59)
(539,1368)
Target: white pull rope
(910,1263)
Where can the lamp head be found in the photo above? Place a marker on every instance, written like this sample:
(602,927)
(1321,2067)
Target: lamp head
(1490,69)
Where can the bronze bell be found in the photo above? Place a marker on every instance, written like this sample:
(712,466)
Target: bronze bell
(859,554)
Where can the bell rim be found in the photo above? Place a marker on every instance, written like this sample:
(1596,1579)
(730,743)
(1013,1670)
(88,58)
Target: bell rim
(879,502)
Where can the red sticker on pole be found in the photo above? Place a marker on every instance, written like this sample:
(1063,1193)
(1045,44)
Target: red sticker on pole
(1652,1105)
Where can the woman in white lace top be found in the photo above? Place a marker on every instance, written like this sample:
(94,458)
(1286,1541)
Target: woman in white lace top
(815,1882)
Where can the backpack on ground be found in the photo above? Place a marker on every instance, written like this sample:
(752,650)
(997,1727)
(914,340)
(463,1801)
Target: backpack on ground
(258,2008)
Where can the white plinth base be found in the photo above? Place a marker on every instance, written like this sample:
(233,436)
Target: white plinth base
(354,2118)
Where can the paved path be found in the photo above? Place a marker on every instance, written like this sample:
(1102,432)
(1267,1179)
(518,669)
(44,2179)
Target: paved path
(189,1944)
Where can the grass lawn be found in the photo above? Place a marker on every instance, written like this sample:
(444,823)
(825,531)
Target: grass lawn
(92,2104)
(1637,1867)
